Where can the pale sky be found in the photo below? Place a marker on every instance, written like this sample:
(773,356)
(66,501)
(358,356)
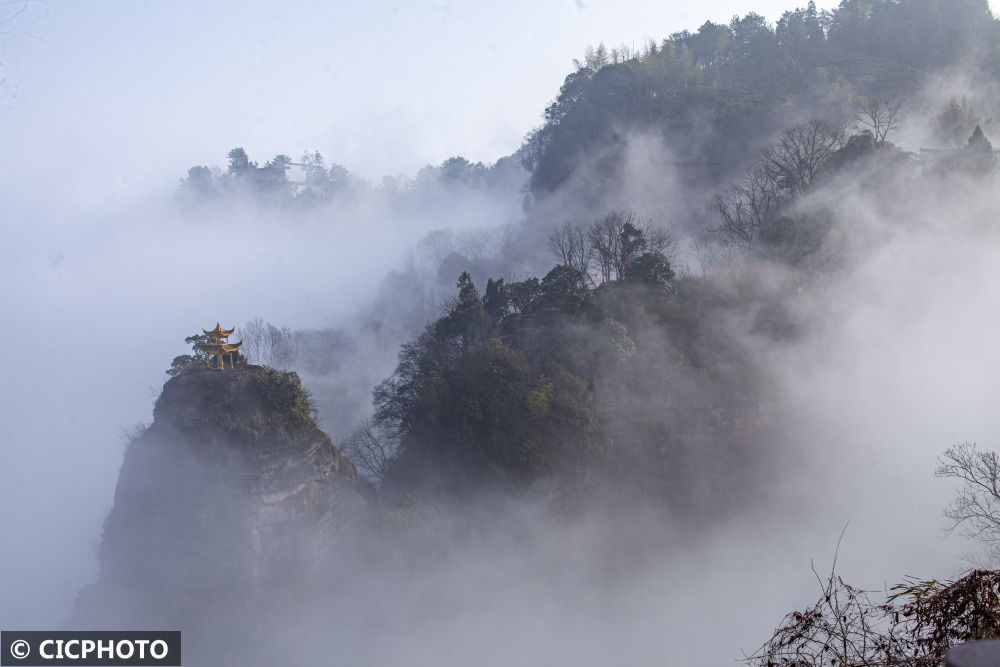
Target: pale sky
(118,98)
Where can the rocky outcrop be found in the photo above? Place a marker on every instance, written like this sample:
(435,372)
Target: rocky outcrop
(232,496)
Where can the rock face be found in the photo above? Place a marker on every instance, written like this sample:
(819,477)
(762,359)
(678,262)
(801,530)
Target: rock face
(231,498)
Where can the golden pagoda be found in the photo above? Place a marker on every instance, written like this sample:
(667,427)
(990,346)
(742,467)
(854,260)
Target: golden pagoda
(218,345)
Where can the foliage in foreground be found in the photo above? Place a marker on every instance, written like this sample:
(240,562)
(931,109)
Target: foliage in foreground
(915,626)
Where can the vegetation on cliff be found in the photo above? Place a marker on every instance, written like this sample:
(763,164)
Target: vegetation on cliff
(641,364)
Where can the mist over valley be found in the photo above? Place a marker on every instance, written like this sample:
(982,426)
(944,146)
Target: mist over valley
(622,387)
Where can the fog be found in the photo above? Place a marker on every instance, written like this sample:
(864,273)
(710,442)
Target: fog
(105,275)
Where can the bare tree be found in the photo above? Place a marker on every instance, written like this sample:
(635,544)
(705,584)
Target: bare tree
(618,237)
(604,236)
(703,247)
(715,252)
(261,342)
(797,159)
(747,208)
(571,248)
(977,506)
(881,114)
(658,239)
(370,449)
(436,245)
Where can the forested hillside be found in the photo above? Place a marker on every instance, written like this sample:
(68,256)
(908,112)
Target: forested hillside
(754,128)
(700,226)
(632,353)
(715,97)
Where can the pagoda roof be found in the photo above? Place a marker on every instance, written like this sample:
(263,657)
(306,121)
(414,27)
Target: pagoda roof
(219,331)
(216,348)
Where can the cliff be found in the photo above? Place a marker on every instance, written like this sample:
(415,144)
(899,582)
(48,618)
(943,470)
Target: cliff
(230,498)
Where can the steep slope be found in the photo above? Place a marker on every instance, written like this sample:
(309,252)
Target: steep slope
(231,499)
